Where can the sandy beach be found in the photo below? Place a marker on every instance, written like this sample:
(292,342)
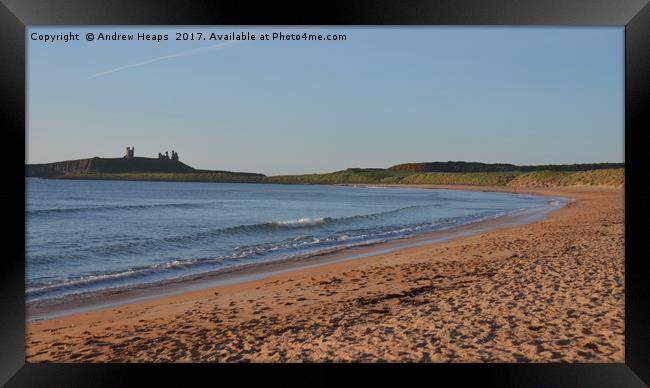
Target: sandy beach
(548,291)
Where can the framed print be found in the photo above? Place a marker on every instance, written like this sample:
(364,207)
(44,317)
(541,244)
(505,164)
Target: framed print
(392,190)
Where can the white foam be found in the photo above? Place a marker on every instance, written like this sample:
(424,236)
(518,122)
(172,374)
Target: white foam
(306,221)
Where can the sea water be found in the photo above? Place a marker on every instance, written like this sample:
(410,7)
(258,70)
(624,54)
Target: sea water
(86,236)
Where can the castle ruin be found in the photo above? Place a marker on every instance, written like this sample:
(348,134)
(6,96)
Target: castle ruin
(129,153)
(166,156)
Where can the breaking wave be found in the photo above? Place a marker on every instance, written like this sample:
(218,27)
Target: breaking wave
(249,254)
(303,222)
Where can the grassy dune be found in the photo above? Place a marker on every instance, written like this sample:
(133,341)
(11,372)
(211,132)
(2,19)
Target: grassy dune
(610,177)
(461,178)
(460,166)
(607,177)
(351,175)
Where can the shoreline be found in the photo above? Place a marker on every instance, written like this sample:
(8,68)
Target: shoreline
(40,310)
(274,284)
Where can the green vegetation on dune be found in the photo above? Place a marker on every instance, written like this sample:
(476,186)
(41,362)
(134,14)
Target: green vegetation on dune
(460,166)
(541,179)
(351,175)
(610,177)
(461,178)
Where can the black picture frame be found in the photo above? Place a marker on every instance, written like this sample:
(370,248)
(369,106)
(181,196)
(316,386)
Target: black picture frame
(17,15)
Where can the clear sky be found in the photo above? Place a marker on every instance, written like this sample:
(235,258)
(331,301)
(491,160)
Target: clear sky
(383,96)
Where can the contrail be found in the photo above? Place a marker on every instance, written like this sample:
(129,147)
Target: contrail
(181,54)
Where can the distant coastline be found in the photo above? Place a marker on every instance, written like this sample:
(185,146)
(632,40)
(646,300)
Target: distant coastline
(163,168)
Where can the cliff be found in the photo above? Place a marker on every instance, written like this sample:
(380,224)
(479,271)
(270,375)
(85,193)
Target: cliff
(106,165)
(47,170)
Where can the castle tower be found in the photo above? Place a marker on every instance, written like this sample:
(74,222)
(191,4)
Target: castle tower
(129,153)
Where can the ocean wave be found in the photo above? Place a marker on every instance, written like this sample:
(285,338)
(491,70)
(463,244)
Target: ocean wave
(281,227)
(338,229)
(184,205)
(242,254)
(309,221)
(248,254)
(303,222)
(71,284)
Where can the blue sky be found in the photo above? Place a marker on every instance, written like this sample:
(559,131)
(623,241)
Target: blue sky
(384,96)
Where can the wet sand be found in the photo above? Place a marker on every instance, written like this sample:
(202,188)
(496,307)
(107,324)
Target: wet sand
(552,290)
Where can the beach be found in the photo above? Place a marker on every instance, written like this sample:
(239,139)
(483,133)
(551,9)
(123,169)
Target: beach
(548,291)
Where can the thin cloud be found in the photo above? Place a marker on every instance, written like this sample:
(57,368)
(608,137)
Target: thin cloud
(153,60)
